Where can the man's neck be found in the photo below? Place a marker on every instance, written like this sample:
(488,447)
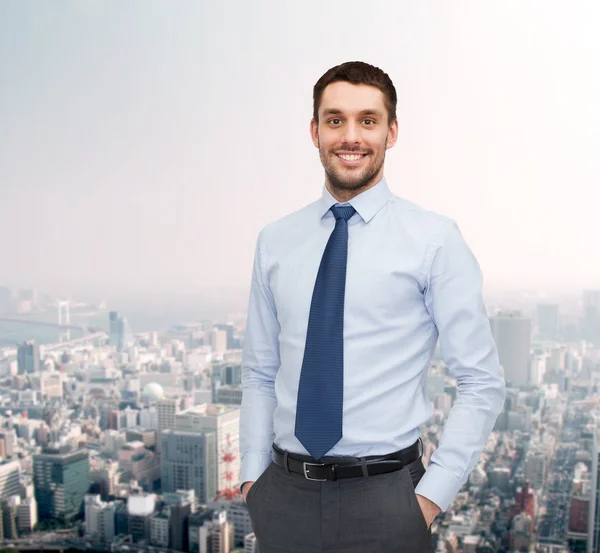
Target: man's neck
(344,195)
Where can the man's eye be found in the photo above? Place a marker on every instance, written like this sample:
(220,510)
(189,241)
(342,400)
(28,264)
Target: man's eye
(370,120)
(332,120)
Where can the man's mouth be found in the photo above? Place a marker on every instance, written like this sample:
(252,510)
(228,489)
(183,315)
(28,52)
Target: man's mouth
(351,159)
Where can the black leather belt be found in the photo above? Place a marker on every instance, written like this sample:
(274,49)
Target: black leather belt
(376,464)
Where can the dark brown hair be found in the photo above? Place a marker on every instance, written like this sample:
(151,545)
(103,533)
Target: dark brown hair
(357,72)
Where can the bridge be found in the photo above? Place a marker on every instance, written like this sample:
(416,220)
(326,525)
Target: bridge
(11,353)
(46,323)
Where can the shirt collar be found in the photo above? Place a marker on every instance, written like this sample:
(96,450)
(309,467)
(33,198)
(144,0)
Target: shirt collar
(367,203)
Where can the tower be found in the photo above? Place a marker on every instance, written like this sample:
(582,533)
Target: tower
(64,318)
(228,457)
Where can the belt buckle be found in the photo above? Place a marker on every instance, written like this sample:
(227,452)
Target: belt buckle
(305,466)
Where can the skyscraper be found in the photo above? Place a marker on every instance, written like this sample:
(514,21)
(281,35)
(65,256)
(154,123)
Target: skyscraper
(28,358)
(61,479)
(119,332)
(512,334)
(593,544)
(591,316)
(547,320)
(224,421)
(10,476)
(188,462)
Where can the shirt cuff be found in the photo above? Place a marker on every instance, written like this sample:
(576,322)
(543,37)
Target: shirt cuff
(253,465)
(439,485)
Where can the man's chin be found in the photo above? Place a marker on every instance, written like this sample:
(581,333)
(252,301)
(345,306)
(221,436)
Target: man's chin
(348,184)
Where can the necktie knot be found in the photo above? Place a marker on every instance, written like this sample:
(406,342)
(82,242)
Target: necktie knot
(343,211)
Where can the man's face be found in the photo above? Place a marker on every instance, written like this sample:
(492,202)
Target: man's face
(352,135)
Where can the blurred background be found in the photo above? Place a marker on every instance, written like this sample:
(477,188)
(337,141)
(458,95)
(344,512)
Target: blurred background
(143,145)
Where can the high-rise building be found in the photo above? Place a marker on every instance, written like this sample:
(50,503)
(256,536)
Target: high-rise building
(159,529)
(230,333)
(181,505)
(237,514)
(512,334)
(579,510)
(229,395)
(593,544)
(119,332)
(216,536)
(8,441)
(28,357)
(99,518)
(140,509)
(61,479)
(250,543)
(224,422)
(188,462)
(218,341)
(27,515)
(195,523)
(10,477)
(591,316)
(521,533)
(548,322)
(167,409)
(536,468)
(10,513)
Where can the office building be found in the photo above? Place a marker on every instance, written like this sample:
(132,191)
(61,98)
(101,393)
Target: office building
(28,358)
(159,530)
(548,322)
(61,479)
(188,462)
(250,544)
(167,409)
(512,334)
(27,515)
(237,514)
(216,536)
(10,478)
(591,316)
(140,509)
(10,513)
(224,422)
(99,518)
(593,542)
(119,332)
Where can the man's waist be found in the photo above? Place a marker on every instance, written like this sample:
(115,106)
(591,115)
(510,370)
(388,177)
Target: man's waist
(334,467)
(355,442)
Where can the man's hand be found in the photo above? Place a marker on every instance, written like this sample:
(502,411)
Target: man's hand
(429,508)
(246,488)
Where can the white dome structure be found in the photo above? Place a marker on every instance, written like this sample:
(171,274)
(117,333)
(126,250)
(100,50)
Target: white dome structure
(153,392)
(141,505)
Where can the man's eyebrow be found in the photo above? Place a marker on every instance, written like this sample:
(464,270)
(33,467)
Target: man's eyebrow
(336,111)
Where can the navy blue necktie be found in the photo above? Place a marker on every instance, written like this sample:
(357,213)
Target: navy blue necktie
(321,389)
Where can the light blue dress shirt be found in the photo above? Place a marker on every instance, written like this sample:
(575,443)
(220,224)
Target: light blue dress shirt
(411,278)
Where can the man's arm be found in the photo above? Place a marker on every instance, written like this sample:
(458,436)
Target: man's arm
(260,363)
(454,299)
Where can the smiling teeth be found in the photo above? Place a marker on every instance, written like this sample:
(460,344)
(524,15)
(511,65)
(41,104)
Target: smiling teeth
(351,158)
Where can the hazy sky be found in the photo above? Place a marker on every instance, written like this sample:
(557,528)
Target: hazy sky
(144,144)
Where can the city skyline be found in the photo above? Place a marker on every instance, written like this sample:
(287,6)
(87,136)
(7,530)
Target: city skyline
(133,141)
(143,148)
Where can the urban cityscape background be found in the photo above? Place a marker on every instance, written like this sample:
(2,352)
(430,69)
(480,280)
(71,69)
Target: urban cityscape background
(143,147)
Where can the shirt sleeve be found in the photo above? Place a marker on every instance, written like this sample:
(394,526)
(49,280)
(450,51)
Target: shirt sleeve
(260,363)
(454,300)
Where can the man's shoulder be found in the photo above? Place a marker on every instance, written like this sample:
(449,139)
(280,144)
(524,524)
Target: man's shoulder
(423,219)
(295,222)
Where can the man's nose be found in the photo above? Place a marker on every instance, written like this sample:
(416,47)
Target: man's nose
(351,133)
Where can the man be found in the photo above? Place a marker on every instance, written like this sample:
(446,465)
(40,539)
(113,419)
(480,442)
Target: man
(348,298)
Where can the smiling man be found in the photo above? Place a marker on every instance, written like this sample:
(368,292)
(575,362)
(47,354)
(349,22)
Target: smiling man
(349,296)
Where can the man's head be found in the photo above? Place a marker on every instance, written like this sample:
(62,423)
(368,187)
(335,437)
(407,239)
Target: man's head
(354,112)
